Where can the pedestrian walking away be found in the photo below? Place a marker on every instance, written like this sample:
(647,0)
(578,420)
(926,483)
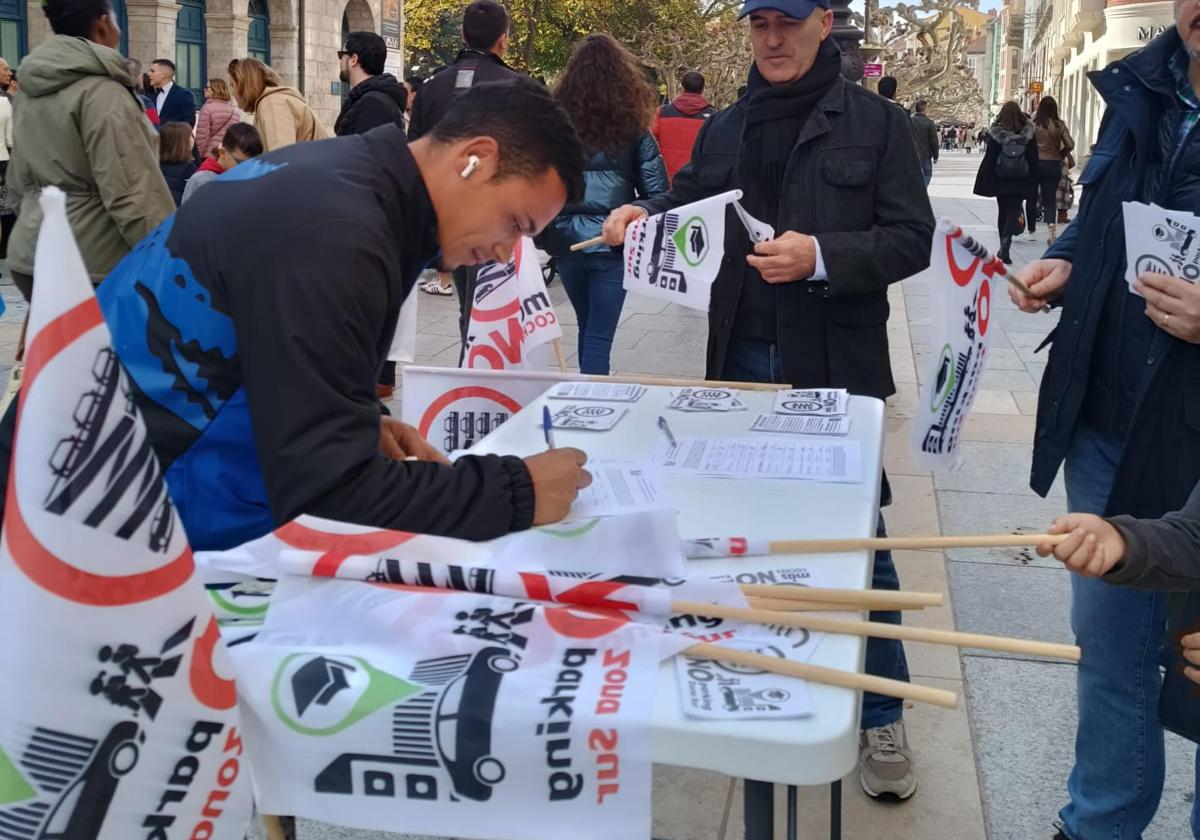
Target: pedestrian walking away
(1054,145)
(605,93)
(1008,172)
(811,306)
(925,138)
(677,124)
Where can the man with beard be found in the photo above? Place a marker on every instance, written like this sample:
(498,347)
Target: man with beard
(832,167)
(376,98)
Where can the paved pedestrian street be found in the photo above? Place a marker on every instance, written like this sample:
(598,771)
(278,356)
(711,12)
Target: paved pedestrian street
(996,767)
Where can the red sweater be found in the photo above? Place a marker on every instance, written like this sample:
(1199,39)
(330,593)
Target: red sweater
(676,126)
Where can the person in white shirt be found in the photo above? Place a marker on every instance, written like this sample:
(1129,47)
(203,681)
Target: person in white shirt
(173,103)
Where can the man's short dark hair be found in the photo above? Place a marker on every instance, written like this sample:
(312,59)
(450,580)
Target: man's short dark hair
(370,49)
(531,128)
(165,62)
(484,22)
(243,137)
(75,17)
(920,105)
(887,87)
(692,82)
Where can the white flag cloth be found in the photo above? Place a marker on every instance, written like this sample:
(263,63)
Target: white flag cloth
(118,713)
(675,256)
(452,714)
(404,342)
(962,274)
(511,313)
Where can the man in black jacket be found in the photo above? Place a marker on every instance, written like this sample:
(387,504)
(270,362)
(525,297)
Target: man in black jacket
(832,167)
(376,98)
(1119,410)
(485,33)
(173,103)
(253,353)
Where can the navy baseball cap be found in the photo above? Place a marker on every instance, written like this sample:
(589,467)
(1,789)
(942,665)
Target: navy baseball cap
(798,9)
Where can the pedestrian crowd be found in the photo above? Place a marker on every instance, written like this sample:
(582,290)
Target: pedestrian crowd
(261,382)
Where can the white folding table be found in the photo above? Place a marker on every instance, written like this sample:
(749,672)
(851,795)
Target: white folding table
(817,750)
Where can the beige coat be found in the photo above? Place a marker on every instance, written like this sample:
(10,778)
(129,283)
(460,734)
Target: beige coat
(282,117)
(78,126)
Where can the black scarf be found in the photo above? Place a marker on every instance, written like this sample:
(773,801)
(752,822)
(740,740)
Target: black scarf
(775,114)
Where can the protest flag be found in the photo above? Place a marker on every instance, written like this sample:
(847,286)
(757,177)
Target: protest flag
(961,275)
(118,714)
(511,314)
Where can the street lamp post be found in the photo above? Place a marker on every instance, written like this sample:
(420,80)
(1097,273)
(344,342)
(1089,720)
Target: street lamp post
(848,37)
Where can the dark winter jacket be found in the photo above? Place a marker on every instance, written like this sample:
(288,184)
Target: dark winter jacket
(1134,158)
(1161,554)
(925,137)
(870,215)
(256,374)
(611,181)
(176,175)
(676,126)
(434,98)
(988,183)
(373,102)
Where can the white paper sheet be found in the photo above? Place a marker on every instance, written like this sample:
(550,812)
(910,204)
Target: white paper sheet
(596,418)
(814,460)
(821,402)
(618,488)
(712,690)
(1161,241)
(602,391)
(707,399)
(797,424)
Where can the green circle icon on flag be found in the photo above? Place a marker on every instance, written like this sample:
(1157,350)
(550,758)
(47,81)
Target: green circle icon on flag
(322,695)
(692,241)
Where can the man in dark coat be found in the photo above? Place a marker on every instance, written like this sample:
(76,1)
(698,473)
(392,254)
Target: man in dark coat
(376,98)
(832,167)
(173,103)
(1120,409)
(485,34)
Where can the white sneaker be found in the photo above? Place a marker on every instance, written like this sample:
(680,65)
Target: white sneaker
(885,763)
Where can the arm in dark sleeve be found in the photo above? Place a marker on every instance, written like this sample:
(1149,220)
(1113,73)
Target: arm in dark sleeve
(686,187)
(651,172)
(1162,553)
(308,321)
(897,245)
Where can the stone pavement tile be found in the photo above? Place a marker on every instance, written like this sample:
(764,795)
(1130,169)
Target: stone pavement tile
(693,804)
(903,403)
(925,571)
(675,342)
(447,326)
(1029,602)
(431,345)
(312,830)
(913,510)
(988,401)
(1007,380)
(659,363)
(997,513)
(641,322)
(1014,320)
(1027,402)
(640,304)
(946,805)
(903,367)
(897,454)
(1023,717)
(999,428)
(687,314)
(1025,344)
(991,468)
(1037,370)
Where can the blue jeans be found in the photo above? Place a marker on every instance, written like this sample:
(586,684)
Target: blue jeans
(1117,781)
(593,283)
(927,170)
(758,361)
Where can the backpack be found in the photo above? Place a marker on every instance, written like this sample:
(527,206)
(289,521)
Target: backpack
(1011,162)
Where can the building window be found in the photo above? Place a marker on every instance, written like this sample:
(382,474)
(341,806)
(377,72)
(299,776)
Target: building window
(258,39)
(190,47)
(13,36)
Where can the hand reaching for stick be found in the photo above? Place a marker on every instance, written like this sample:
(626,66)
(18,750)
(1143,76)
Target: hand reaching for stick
(1092,548)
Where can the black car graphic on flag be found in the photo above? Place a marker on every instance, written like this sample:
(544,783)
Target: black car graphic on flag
(441,738)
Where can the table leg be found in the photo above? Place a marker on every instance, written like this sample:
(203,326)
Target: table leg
(791,812)
(835,810)
(758,799)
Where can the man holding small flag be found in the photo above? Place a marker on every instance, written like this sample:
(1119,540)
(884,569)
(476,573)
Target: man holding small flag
(833,169)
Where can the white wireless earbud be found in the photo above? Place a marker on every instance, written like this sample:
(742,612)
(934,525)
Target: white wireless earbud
(472,165)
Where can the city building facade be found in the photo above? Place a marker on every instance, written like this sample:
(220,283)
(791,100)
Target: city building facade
(298,38)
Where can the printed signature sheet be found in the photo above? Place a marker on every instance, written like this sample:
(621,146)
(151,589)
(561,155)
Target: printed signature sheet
(813,460)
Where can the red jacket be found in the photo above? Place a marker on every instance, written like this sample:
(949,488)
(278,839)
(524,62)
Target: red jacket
(676,126)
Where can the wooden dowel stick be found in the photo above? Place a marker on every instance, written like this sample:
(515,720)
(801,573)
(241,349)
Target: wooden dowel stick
(562,363)
(272,826)
(827,676)
(780,605)
(588,243)
(640,379)
(883,597)
(901,543)
(880,630)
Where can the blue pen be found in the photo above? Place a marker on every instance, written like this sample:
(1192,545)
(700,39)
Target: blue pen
(547,426)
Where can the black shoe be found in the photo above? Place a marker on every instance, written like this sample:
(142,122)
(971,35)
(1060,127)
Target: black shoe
(1005,248)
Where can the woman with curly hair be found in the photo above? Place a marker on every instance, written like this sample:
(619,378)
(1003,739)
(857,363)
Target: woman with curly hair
(605,92)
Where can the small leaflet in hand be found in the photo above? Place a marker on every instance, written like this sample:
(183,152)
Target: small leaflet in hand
(707,399)
(597,418)
(801,424)
(723,691)
(603,391)
(820,402)
(1160,241)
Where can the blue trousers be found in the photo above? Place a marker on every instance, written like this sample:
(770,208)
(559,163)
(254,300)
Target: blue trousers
(758,361)
(1117,781)
(593,284)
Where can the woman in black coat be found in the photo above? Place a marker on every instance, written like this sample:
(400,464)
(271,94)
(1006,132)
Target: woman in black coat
(175,143)
(1009,171)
